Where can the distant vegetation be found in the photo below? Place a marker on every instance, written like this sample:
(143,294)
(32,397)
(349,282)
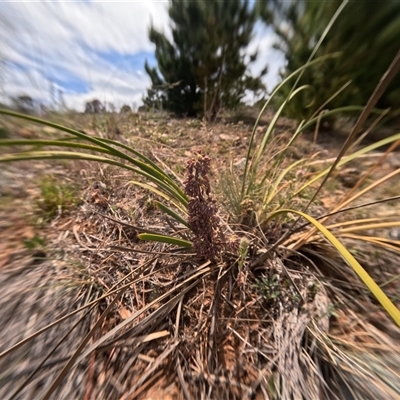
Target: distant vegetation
(366,34)
(125,109)
(204,68)
(25,104)
(94,107)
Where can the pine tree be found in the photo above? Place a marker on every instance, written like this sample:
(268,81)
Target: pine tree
(205,67)
(366,33)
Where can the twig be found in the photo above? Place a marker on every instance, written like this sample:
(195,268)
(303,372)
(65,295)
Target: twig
(137,228)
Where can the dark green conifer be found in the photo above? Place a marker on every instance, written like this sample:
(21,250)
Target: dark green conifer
(204,68)
(367,33)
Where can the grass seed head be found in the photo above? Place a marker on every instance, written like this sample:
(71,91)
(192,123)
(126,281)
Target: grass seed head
(203,219)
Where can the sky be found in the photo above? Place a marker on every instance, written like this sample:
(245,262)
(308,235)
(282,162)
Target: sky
(92,49)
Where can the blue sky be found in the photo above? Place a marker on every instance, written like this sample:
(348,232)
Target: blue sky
(90,49)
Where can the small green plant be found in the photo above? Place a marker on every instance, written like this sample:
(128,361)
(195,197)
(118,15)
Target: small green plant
(243,251)
(36,243)
(56,197)
(269,288)
(332,310)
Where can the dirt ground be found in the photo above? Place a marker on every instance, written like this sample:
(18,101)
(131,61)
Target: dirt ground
(84,250)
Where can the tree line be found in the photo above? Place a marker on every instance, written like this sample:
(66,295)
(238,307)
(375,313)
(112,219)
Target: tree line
(205,66)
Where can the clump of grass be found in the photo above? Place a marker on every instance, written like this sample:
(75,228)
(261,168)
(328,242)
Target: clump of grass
(269,288)
(36,243)
(111,125)
(56,198)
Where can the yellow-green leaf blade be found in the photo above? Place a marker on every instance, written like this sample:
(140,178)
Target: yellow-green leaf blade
(391,309)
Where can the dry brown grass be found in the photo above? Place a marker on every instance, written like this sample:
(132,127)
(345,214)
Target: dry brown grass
(294,326)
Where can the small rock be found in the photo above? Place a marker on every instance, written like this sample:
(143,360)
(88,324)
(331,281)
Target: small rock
(235,139)
(260,130)
(48,130)
(99,186)
(349,177)
(393,160)
(240,163)
(394,233)
(90,132)
(26,133)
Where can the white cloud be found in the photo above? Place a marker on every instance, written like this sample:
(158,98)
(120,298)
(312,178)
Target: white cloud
(267,56)
(112,25)
(62,40)
(65,41)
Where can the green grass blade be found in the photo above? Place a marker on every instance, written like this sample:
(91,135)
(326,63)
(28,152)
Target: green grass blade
(339,110)
(180,205)
(274,92)
(278,180)
(73,132)
(326,102)
(147,165)
(165,239)
(45,142)
(321,39)
(172,214)
(58,155)
(147,161)
(255,163)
